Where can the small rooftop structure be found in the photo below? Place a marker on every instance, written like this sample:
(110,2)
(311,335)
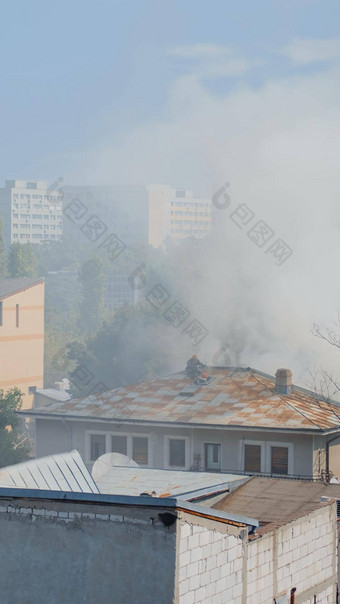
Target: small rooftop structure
(55,394)
(64,472)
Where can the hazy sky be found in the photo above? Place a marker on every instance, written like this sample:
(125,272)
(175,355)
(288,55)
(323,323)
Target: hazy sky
(195,94)
(79,77)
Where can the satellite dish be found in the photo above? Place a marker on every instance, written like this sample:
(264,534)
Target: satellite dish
(106,461)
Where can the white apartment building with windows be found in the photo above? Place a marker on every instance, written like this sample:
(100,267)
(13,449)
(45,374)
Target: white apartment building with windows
(31,213)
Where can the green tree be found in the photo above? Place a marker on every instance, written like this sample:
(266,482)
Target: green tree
(3,259)
(92,279)
(135,345)
(22,260)
(13,443)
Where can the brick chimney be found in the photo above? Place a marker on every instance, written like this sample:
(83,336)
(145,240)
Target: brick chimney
(283,381)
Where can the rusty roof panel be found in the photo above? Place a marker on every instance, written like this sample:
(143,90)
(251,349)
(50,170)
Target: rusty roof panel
(235,397)
(276,500)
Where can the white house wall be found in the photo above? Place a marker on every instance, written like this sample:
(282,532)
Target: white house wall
(55,436)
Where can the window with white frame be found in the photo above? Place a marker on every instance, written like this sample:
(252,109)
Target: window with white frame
(270,457)
(140,450)
(119,444)
(133,445)
(97,446)
(252,458)
(279,460)
(176,452)
(212,456)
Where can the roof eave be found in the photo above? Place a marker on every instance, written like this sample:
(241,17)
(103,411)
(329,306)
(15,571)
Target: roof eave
(87,418)
(22,289)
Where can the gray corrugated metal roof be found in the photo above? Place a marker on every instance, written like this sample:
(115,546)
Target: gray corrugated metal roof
(11,286)
(125,480)
(234,397)
(276,500)
(62,472)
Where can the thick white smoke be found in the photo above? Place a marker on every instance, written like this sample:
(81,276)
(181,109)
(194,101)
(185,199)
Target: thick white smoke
(277,143)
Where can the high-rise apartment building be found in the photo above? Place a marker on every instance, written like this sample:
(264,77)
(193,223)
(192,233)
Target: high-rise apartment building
(31,212)
(176,214)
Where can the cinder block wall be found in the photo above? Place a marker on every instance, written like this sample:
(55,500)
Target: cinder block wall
(210,563)
(301,554)
(219,568)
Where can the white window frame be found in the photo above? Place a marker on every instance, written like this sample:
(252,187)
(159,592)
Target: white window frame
(266,454)
(108,435)
(260,443)
(289,446)
(210,442)
(166,452)
(88,435)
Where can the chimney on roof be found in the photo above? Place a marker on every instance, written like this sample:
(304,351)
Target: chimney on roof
(283,381)
(62,386)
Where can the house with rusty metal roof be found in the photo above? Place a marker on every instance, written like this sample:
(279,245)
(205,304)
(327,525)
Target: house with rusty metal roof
(237,420)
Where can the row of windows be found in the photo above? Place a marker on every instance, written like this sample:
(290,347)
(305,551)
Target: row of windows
(188,213)
(191,223)
(190,204)
(36,236)
(38,216)
(45,197)
(138,448)
(257,457)
(188,233)
(34,206)
(38,227)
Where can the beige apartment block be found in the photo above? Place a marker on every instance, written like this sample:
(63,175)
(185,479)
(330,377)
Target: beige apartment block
(176,214)
(22,336)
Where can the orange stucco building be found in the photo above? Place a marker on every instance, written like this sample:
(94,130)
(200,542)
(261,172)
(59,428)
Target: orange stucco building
(22,336)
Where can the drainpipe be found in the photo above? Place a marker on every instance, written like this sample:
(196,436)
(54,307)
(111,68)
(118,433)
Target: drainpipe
(69,430)
(327,451)
(292,595)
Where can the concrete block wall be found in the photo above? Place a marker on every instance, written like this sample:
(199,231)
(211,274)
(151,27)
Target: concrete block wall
(260,570)
(209,566)
(219,568)
(301,554)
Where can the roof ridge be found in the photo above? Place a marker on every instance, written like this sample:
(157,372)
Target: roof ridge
(290,404)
